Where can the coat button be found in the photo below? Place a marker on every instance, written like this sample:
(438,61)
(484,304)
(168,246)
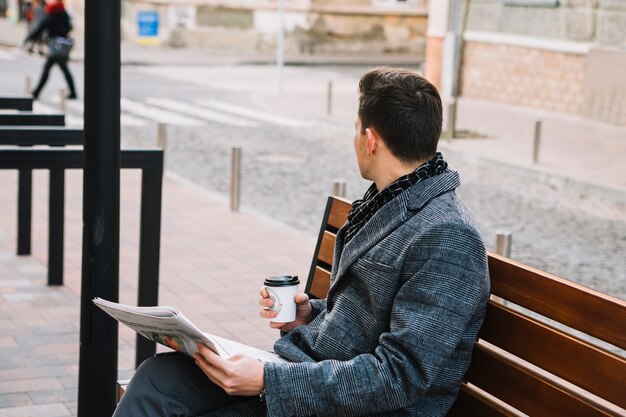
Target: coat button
(296,338)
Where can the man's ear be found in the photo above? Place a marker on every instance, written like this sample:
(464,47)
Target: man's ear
(373,140)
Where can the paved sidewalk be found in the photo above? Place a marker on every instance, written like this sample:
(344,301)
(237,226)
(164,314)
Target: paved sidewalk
(212,265)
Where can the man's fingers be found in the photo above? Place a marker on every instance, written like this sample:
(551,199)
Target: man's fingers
(266,302)
(263,292)
(268,314)
(301,298)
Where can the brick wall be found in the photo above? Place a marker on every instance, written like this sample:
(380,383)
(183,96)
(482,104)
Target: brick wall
(524,76)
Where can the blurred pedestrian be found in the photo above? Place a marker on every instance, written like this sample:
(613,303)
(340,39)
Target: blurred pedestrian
(56,25)
(39,12)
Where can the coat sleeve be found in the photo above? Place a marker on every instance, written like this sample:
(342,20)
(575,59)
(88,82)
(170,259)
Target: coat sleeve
(446,274)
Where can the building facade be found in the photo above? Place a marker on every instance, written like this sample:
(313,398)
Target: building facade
(311,26)
(567,56)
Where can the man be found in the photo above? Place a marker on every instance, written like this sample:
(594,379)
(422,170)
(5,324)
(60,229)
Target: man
(408,292)
(56,25)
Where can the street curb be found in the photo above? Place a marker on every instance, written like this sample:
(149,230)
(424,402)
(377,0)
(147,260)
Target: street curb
(559,182)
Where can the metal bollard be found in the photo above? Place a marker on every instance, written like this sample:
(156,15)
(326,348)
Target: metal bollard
(537,142)
(329,99)
(235,179)
(27,85)
(451,122)
(339,188)
(162,141)
(503,248)
(62,100)
(503,243)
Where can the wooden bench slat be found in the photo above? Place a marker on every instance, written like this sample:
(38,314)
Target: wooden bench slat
(327,248)
(525,390)
(339,212)
(472,403)
(593,369)
(321,283)
(566,302)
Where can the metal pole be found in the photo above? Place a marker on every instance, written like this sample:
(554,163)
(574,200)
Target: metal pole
(329,99)
(149,249)
(62,100)
(235,179)
(503,243)
(27,85)
(339,189)
(537,142)
(162,140)
(280,47)
(56,222)
(101,208)
(451,122)
(24,210)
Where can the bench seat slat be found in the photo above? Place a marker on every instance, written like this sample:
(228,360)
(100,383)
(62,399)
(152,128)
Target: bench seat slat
(566,302)
(593,369)
(530,392)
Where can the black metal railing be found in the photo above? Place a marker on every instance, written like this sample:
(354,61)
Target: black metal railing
(28,118)
(23,103)
(150,161)
(32,136)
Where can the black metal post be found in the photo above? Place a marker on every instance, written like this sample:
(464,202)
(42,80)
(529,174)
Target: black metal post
(149,248)
(101,208)
(56,222)
(24,210)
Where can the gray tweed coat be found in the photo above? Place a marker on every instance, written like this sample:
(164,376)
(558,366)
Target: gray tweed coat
(395,334)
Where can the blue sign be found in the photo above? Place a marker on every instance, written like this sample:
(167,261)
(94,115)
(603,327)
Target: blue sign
(148,23)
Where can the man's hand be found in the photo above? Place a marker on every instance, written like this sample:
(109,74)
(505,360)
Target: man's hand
(239,375)
(303,311)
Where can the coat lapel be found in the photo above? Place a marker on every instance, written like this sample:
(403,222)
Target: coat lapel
(386,220)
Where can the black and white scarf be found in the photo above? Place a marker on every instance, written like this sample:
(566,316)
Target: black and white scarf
(363,210)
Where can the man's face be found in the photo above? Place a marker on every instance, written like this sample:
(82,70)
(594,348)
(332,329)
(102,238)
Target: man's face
(360,149)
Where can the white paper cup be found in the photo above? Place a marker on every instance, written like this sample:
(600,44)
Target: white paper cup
(283,289)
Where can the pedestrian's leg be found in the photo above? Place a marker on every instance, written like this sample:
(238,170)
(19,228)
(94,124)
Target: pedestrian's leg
(44,77)
(68,78)
(171,385)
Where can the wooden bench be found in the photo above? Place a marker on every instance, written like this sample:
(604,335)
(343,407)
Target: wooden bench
(521,364)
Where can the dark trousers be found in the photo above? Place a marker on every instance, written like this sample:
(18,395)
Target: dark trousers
(170,385)
(46,72)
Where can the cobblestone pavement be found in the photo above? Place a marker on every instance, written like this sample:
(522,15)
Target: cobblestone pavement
(287,172)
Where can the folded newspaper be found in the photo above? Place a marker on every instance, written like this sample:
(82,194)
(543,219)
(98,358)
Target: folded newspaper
(169,327)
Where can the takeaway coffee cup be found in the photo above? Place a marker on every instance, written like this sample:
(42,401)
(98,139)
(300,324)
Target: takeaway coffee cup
(283,289)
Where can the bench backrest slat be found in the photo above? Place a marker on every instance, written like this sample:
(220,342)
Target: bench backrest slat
(528,391)
(574,360)
(521,364)
(320,283)
(335,216)
(559,299)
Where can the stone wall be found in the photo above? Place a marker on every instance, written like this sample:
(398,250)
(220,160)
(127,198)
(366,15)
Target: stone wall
(524,76)
(602,22)
(569,58)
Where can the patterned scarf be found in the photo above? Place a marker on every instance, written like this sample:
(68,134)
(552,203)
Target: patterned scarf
(363,210)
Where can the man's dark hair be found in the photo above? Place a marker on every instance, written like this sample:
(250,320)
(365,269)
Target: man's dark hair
(404,108)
